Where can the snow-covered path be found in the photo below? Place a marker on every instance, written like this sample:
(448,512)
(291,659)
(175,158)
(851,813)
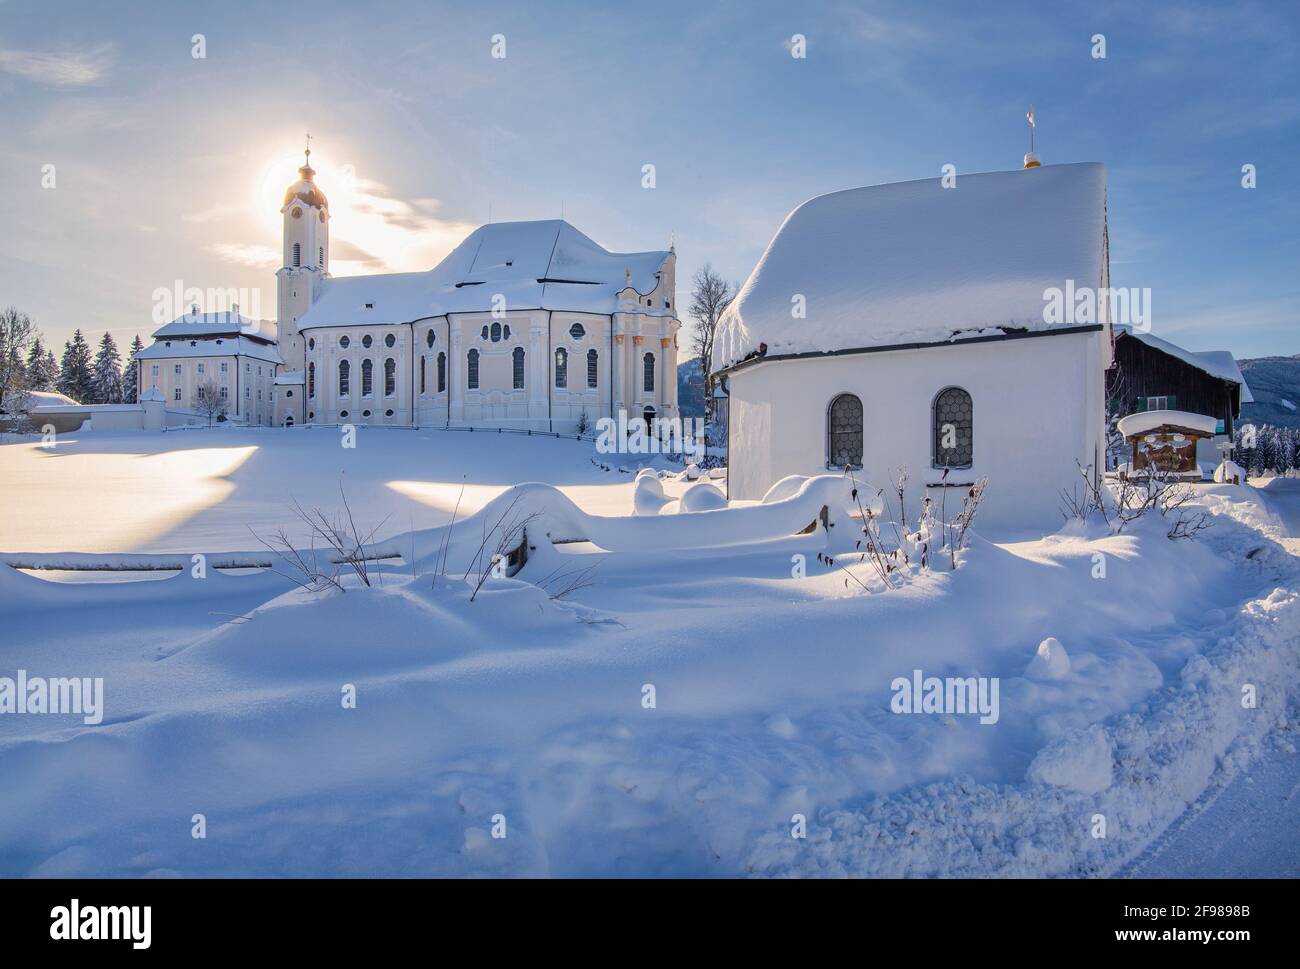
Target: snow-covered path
(1248,824)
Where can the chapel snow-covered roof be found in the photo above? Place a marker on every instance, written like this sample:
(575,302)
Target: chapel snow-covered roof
(534,265)
(190,326)
(1216,363)
(916,263)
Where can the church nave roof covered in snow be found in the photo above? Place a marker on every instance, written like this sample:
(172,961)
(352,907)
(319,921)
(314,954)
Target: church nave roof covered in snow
(914,263)
(534,265)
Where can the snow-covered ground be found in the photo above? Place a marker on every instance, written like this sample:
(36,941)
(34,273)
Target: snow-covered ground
(772,693)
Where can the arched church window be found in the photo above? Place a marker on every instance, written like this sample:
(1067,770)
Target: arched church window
(389,340)
(577,331)
(591,368)
(472,370)
(648,415)
(429,338)
(954,429)
(442,372)
(390,377)
(422,375)
(648,365)
(496,332)
(367,378)
(484,334)
(343,342)
(322,256)
(844,429)
(311,344)
(345,377)
(505,331)
(297,249)
(311,380)
(367,341)
(561,368)
(518,358)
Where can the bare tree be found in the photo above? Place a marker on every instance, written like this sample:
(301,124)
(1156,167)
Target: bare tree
(208,401)
(16,337)
(710,295)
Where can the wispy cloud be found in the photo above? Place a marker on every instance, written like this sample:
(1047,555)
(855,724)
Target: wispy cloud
(244,254)
(59,68)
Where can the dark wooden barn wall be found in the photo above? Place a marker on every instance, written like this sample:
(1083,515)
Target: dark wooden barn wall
(1143,371)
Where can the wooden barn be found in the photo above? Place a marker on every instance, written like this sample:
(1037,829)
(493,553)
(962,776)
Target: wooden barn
(1153,374)
(1173,406)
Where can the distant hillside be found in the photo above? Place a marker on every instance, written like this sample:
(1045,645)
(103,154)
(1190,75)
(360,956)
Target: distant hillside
(690,388)
(1275,385)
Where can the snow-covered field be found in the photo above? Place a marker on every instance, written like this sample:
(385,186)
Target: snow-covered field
(772,694)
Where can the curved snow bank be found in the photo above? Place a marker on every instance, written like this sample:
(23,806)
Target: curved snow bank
(545,510)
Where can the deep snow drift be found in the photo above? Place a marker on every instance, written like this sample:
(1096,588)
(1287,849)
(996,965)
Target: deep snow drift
(769,670)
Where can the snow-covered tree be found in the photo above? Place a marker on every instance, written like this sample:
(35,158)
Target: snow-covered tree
(131,378)
(76,378)
(106,377)
(42,370)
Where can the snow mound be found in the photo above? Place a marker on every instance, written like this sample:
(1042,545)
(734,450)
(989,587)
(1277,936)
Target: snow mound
(703,497)
(1227,471)
(783,489)
(1050,662)
(1081,761)
(404,624)
(648,493)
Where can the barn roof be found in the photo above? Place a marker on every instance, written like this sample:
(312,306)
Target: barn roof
(917,263)
(1216,363)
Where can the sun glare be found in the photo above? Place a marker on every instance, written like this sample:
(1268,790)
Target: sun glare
(370,229)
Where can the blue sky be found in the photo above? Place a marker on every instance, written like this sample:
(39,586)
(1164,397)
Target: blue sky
(169,167)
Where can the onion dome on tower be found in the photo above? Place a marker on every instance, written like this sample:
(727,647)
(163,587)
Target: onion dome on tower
(306,189)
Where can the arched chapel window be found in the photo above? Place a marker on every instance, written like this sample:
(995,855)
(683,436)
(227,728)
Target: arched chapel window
(844,429)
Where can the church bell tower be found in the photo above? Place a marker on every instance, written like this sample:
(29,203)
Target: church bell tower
(305,261)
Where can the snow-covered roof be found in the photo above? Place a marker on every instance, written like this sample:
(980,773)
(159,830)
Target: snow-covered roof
(189,326)
(151,393)
(210,347)
(47,398)
(914,262)
(534,265)
(1216,363)
(1149,420)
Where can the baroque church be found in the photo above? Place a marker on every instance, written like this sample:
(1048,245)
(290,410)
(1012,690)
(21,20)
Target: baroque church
(525,325)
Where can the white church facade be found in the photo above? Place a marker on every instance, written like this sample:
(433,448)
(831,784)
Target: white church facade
(525,324)
(905,326)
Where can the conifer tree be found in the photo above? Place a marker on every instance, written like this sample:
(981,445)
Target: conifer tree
(75,373)
(106,376)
